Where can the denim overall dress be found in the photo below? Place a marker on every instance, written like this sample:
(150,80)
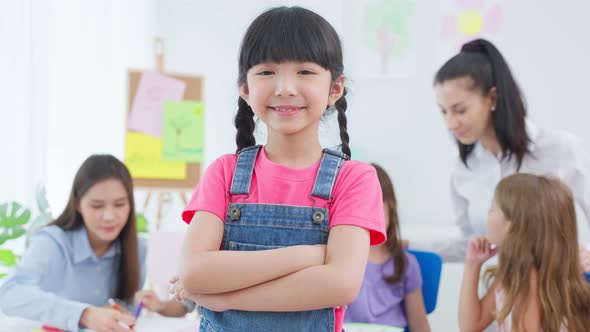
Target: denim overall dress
(252,226)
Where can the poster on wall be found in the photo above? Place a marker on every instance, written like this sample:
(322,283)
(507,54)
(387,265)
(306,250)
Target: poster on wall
(465,20)
(386,39)
(184,131)
(165,137)
(154,88)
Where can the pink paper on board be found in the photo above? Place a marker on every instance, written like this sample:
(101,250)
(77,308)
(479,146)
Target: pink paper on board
(148,104)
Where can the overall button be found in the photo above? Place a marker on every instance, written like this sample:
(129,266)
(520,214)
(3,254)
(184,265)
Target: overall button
(318,217)
(234,213)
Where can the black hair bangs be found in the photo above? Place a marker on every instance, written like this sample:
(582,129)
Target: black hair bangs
(290,34)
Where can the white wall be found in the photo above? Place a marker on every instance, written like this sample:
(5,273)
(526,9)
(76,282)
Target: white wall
(394,122)
(73,64)
(63,85)
(91,46)
(14,112)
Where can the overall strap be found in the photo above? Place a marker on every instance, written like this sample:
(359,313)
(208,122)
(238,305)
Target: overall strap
(240,184)
(330,165)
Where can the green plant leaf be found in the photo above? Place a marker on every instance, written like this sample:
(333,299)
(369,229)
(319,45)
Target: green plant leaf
(7,257)
(12,219)
(15,216)
(11,233)
(142,223)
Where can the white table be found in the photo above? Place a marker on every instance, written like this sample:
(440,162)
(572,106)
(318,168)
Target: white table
(146,323)
(356,327)
(157,323)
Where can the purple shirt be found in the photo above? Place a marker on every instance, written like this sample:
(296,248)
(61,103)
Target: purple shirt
(379,302)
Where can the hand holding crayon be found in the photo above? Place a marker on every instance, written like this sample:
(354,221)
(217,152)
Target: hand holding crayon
(101,319)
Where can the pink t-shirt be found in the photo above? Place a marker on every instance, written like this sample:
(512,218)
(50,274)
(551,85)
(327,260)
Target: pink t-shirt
(357,197)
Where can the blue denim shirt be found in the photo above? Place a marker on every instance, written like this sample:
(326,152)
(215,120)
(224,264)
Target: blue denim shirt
(60,276)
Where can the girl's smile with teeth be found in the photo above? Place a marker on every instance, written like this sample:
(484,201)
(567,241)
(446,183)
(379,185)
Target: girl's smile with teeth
(286,108)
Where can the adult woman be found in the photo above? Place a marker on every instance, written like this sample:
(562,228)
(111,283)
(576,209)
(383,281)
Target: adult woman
(86,256)
(483,108)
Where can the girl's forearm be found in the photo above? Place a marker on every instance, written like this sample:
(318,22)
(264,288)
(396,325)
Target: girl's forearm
(469,302)
(173,308)
(207,273)
(313,288)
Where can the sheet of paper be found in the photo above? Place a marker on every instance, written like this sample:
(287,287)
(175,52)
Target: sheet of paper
(143,157)
(148,104)
(183,137)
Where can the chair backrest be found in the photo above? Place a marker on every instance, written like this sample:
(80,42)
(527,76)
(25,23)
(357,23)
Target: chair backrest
(430,268)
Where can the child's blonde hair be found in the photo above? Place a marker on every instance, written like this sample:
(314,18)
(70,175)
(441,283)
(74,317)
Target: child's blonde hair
(542,236)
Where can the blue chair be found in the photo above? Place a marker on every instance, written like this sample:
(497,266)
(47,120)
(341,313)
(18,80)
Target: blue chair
(430,268)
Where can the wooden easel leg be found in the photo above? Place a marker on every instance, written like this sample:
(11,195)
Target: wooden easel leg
(163,198)
(146,202)
(182,195)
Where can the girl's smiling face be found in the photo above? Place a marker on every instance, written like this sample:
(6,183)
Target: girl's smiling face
(290,97)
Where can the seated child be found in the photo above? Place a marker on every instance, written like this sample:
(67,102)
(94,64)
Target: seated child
(538,283)
(391,293)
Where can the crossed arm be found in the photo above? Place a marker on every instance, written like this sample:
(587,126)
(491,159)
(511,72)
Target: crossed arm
(285,279)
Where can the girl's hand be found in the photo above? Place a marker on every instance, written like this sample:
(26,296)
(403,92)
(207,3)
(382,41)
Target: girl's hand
(584,259)
(151,301)
(479,250)
(105,319)
(213,302)
(177,289)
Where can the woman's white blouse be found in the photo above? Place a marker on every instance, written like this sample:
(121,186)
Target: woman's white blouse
(552,152)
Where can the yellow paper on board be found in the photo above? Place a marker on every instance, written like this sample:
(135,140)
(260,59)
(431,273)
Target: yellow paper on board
(143,157)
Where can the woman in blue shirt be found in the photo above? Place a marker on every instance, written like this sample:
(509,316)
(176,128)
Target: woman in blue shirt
(89,254)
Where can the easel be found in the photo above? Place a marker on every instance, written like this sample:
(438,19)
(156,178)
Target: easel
(164,197)
(165,188)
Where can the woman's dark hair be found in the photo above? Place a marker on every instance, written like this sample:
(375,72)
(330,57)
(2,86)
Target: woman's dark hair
(94,169)
(393,243)
(289,34)
(481,61)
